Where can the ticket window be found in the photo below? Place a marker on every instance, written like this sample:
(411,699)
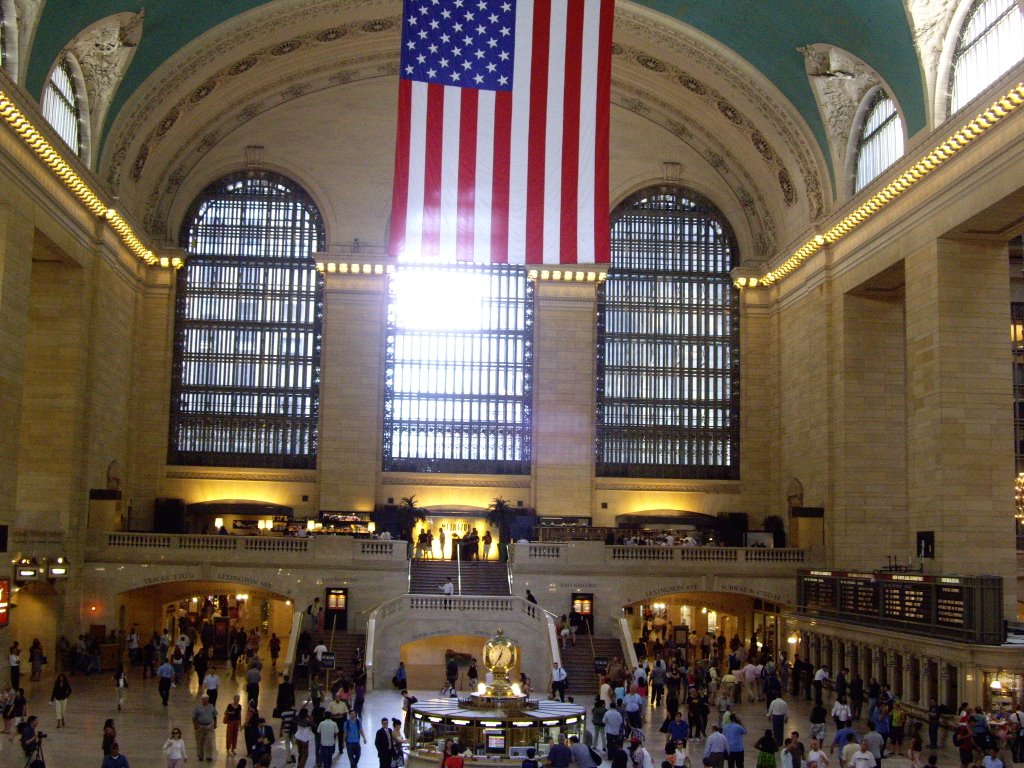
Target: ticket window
(583,604)
(336,609)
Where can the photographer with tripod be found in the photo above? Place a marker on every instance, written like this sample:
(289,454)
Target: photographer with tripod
(32,742)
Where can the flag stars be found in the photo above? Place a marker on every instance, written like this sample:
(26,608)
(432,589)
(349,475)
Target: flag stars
(476,34)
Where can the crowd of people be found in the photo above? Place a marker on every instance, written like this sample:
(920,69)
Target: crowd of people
(853,724)
(309,729)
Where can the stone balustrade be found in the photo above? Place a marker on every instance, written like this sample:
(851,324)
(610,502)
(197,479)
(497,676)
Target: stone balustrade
(585,554)
(283,551)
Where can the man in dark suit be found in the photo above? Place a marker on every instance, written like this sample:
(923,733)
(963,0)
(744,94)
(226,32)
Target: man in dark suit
(382,741)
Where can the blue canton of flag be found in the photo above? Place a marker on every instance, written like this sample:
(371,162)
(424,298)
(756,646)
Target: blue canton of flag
(464,43)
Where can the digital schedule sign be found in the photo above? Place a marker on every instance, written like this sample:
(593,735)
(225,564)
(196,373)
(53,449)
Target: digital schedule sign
(964,608)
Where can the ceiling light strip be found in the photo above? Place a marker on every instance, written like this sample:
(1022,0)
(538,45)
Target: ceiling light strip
(939,155)
(60,168)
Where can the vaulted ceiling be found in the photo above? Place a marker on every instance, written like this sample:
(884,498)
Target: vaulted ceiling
(766,34)
(720,85)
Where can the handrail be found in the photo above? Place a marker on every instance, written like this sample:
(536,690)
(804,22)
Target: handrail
(293,642)
(627,640)
(458,564)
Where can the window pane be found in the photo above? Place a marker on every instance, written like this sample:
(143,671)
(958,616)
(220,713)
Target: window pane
(458,375)
(60,106)
(248,324)
(991,42)
(881,140)
(668,342)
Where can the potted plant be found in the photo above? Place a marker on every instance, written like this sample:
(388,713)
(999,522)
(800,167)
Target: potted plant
(502,515)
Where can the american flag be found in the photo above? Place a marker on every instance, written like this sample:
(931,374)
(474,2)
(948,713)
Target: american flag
(502,152)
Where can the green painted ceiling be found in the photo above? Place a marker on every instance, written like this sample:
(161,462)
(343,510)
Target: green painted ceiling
(766,33)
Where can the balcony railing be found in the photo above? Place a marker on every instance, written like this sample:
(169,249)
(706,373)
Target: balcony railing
(677,554)
(145,547)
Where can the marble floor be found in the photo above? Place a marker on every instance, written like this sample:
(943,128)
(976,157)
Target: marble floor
(144,724)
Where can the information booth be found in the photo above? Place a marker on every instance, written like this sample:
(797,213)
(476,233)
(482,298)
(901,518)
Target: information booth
(497,723)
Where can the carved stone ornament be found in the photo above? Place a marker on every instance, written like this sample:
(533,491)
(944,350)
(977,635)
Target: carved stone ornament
(104,50)
(840,82)
(29,12)
(929,24)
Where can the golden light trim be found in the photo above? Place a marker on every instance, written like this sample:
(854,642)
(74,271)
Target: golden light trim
(999,110)
(567,275)
(60,168)
(354,268)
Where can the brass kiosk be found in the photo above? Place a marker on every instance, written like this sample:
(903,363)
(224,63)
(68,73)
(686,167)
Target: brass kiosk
(496,724)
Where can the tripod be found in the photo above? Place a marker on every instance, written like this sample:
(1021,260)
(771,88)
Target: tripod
(35,757)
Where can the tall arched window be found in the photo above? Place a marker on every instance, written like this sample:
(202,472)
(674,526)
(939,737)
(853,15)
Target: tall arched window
(990,43)
(458,379)
(668,341)
(246,381)
(880,143)
(62,107)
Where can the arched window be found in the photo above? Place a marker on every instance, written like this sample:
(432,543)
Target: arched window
(248,319)
(62,107)
(668,341)
(881,139)
(990,43)
(458,378)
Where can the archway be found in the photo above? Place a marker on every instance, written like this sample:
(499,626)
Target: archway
(211,610)
(706,625)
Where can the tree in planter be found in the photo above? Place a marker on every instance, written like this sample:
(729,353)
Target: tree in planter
(502,515)
(408,515)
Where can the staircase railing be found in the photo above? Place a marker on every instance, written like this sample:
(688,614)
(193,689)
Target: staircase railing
(626,638)
(293,642)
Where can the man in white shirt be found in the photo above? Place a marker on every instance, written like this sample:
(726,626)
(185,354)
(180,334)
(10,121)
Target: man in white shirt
(862,758)
(749,676)
(328,733)
(558,680)
(819,680)
(319,651)
(778,711)
(212,684)
(613,728)
(816,755)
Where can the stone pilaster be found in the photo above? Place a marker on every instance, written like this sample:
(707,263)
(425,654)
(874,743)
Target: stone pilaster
(565,337)
(351,389)
(959,394)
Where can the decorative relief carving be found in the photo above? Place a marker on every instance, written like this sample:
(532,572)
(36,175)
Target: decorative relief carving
(728,110)
(840,81)
(797,138)
(245,32)
(718,156)
(241,474)
(929,25)
(470,482)
(104,50)
(607,484)
(190,151)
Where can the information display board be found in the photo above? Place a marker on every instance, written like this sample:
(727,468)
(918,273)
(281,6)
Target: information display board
(964,608)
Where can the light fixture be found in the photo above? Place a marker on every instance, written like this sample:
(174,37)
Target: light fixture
(241,597)
(218,523)
(996,685)
(793,639)
(311,525)
(371,527)
(26,570)
(57,569)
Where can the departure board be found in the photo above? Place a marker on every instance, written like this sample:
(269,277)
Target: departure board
(818,593)
(858,596)
(907,601)
(950,606)
(964,608)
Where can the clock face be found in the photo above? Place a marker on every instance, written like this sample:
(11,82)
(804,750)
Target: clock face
(500,656)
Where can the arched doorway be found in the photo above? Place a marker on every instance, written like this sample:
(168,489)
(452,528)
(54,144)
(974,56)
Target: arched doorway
(210,610)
